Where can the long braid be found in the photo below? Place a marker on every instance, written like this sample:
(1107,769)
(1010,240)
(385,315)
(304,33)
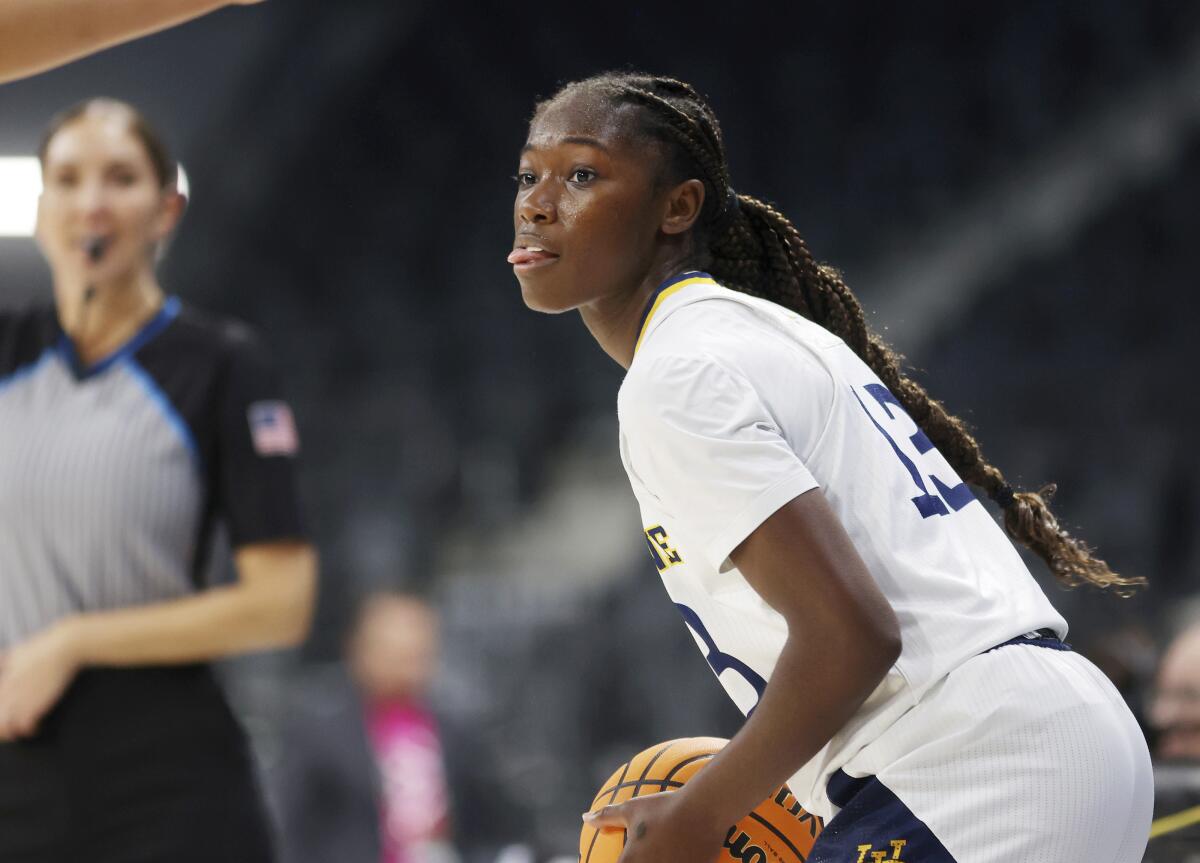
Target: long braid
(749,246)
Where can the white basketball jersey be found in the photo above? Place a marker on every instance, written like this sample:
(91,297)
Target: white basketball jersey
(734,406)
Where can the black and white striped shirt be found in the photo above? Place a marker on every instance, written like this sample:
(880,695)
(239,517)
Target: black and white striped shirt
(112,476)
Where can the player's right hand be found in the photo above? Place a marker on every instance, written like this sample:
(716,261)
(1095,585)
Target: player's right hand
(660,829)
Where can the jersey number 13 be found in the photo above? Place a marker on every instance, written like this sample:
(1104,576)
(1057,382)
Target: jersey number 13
(940,499)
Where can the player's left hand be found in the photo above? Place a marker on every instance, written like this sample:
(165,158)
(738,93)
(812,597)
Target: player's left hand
(33,676)
(660,829)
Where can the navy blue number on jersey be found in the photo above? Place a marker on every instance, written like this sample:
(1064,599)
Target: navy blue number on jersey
(937,498)
(719,660)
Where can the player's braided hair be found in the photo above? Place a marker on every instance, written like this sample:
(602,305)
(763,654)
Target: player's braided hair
(749,246)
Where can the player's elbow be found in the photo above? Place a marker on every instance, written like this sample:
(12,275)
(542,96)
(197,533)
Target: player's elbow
(890,646)
(870,645)
(883,643)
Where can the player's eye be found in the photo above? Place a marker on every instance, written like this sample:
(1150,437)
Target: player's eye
(525,178)
(582,175)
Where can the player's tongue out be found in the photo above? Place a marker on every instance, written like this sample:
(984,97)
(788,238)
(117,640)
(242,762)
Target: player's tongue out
(529,256)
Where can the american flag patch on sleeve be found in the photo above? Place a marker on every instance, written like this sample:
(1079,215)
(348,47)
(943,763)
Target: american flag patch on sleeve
(273,429)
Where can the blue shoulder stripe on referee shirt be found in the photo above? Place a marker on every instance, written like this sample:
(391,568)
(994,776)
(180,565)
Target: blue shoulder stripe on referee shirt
(170,414)
(126,353)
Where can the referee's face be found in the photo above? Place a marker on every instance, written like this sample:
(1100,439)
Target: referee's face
(586,215)
(99,183)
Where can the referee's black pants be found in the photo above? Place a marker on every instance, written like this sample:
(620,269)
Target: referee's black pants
(134,765)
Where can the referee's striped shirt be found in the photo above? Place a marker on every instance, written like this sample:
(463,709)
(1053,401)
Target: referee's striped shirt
(112,476)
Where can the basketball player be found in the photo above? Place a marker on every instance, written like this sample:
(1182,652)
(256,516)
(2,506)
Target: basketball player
(129,423)
(807,507)
(36,35)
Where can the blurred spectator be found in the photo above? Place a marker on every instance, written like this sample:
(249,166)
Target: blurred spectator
(371,770)
(1173,712)
(1175,706)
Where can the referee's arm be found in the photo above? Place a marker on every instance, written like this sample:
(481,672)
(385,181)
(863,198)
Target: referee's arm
(269,606)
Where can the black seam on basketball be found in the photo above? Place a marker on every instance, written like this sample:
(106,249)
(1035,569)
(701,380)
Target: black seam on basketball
(642,779)
(620,779)
(682,764)
(591,845)
(596,835)
(666,782)
(613,791)
(673,783)
(765,823)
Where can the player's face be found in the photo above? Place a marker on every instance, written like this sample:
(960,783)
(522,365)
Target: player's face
(587,209)
(99,185)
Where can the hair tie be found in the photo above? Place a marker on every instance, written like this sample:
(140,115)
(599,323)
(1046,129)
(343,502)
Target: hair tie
(1004,496)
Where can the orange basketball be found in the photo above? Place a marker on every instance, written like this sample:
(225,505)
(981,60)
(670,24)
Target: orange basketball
(777,831)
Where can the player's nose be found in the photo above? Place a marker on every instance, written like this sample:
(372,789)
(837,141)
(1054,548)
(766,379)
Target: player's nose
(538,204)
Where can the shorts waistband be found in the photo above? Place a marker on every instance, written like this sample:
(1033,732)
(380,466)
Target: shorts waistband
(1038,638)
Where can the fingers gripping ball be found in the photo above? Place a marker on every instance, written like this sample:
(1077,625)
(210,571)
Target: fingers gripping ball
(777,831)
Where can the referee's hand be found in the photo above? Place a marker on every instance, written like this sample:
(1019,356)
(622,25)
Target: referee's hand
(33,676)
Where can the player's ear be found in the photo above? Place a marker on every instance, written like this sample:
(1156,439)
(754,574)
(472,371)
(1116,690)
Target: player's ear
(682,207)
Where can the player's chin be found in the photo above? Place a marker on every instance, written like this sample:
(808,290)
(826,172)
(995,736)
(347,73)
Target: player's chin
(541,295)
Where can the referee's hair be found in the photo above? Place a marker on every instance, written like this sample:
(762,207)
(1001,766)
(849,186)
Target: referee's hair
(166,170)
(748,245)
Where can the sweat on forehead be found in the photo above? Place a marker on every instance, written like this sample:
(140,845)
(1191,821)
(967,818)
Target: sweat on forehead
(585,112)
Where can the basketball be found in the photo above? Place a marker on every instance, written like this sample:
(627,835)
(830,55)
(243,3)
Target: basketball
(777,831)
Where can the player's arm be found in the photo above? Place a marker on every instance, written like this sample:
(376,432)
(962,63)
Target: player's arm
(843,637)
(269,606)
(36,35)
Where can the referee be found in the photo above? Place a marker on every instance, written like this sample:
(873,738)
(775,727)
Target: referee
(130,424)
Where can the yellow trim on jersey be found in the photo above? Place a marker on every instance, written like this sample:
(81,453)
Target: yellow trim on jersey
(696,280)
(1171,823)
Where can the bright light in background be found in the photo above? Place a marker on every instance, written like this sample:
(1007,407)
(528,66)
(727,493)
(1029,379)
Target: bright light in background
(20,185)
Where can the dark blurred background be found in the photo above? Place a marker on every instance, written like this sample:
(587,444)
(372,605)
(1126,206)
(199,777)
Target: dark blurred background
(1010,188)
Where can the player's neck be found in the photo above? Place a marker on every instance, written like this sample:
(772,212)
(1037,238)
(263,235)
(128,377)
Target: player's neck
(113,313)
(615,322)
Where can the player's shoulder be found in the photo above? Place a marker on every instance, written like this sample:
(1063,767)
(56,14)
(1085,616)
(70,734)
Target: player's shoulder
(737,326)
(716,334)
(703,328)
(667,380)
